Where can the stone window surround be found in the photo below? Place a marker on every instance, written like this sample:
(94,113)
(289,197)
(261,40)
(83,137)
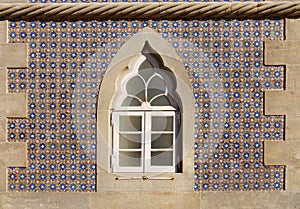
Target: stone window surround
(108,181)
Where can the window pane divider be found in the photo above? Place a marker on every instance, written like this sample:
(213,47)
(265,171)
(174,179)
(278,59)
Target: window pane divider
(162,132)
(148,125)
(162,150)
(140,108)
(130,150)
(130,132)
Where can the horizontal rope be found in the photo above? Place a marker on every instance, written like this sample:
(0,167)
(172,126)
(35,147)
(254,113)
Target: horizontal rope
(163,10)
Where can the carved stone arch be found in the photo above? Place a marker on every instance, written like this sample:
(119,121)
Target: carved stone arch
(118,68)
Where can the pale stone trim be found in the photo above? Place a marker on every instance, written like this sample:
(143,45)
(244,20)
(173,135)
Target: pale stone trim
(13,154)
(292,130)
(292,29)
(152,200)
(3,179)
(102,200)
(250,200)
(14,1)
(149,10)
(13,105)
(117,69)
(3,129)
(143,200)
(3,29)
(292,79)
(13,55)
(3,82)
(292,174)
(282,52)
(279,102)
(286,103)
(281,152)
(3,90)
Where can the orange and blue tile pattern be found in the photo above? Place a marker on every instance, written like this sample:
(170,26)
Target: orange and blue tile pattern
(67,61)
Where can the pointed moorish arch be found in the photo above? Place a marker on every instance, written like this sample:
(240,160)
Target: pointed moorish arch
(119,67)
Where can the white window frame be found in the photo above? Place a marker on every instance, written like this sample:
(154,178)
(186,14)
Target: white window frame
(146,132)
(148,148)
(116,148)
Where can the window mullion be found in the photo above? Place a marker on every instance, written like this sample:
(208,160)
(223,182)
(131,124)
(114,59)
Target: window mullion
(147,144)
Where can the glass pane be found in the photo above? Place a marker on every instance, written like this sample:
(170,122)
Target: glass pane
(130,159)
(162,158)
(130,141)
(130,123)
(146,70)
(161,101)
(135,86)
(155,87)
(161,141)
(141,94)
(154,92)
(130,101)
(162,123)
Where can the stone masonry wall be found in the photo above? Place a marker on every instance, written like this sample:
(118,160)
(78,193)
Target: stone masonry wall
(276,102)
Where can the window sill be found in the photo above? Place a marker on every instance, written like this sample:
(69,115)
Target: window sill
(144,178)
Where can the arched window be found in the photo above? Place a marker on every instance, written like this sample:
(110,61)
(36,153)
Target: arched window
(146,118)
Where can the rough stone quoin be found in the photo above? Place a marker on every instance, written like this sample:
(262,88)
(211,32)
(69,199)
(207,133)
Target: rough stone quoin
(11,104)
(285,102)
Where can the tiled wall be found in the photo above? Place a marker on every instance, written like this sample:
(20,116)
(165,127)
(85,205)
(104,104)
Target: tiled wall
(67,61)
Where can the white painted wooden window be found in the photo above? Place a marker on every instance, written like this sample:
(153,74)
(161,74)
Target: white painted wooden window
(129,137)
(144,141)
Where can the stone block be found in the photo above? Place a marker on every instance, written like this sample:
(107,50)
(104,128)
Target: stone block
(292,79)
(292,29)
(281,52)
(250,200)
(155,200)
(3,177)
(13,55)
(278,102)
(45,200)
(3,130)
(3,72)
(13,105)
(14,1)
(3,31)
(13,154)
(101,200)
(292,174)
(292,130)
(282,152)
